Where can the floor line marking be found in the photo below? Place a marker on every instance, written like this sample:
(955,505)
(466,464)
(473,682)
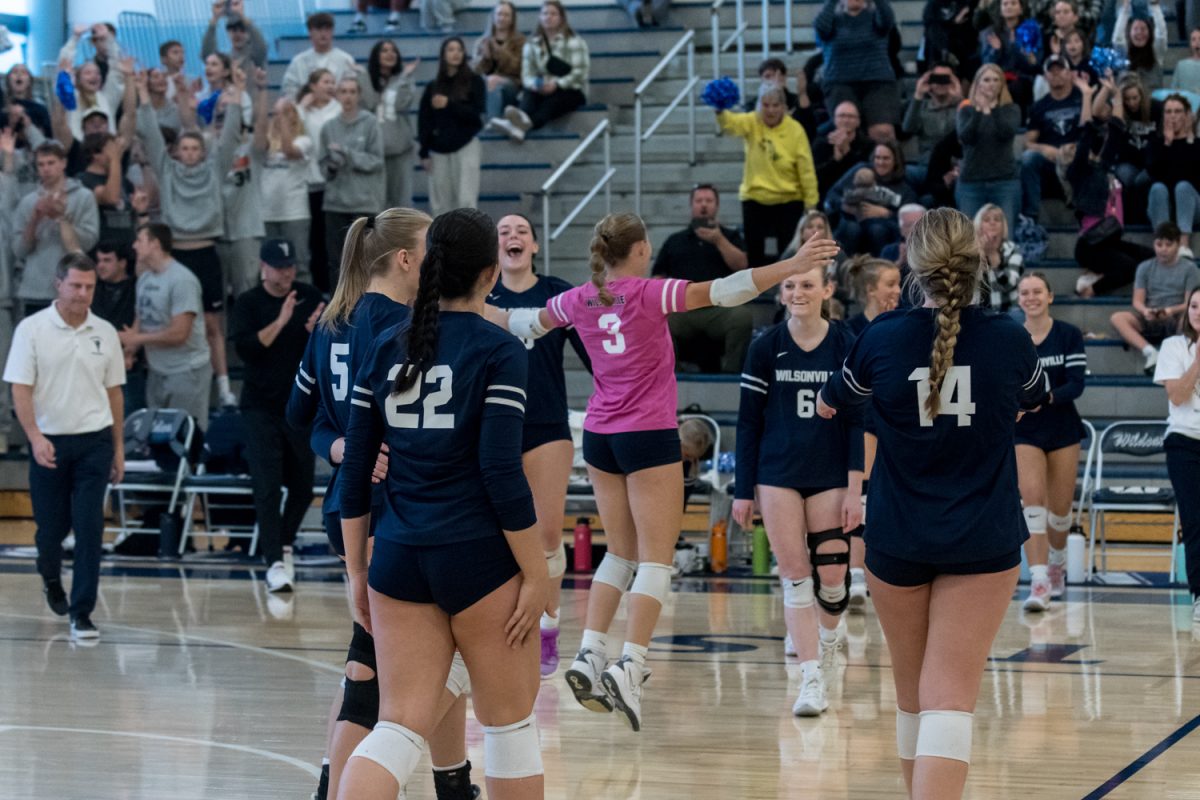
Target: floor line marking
(194,637)
(241,748)
(1136,766)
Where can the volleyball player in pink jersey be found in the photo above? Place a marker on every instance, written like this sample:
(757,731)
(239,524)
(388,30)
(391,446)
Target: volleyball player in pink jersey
(631,438)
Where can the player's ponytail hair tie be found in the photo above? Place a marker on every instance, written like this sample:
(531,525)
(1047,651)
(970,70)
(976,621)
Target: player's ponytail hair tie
(370,224)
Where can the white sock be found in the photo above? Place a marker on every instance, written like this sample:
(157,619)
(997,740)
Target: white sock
(549,623)
(223,384)
(1038,572)
(858,575)
(808,668)
(636,653)
(459,765)
(394,16)
(1149,350)
(358,16)
(596,642)
(827,634)
(1058,556)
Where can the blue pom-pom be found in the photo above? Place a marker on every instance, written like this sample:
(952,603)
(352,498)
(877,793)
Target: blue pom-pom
(1029,36)
(208,107)
(722,94)
(64,89)
(1106,58)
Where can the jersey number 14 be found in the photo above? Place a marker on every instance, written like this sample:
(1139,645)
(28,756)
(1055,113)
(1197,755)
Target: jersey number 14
(956,395)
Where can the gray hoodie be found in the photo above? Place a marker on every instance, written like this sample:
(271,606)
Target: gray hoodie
(354,179)
(41,260)
(191,196)
(391,107)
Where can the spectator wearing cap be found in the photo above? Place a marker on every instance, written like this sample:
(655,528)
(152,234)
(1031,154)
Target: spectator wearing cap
(72,128)
(1053,122)
(270,329)
(66,371)
(247,47)
(858,67)
(322,55)
(56,218)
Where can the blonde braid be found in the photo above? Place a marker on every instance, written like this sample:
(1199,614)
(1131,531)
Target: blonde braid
(598,261)
(949,326)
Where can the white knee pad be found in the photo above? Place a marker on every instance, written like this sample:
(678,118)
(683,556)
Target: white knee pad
(908,728)
(393,747)
(653,580)
(556,561)
(1035,518)
(797,594)
(615,571)
(1059,523)
(458,682)
(946,734)
(512,751)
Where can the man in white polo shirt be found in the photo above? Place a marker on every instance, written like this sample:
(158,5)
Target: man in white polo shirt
(67,369)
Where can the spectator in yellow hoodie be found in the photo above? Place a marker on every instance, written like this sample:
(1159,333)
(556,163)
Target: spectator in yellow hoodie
(779,182)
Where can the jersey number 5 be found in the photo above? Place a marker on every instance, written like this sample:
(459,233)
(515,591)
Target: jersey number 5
(956,395)
(340,369)
(441,375)
(611,324)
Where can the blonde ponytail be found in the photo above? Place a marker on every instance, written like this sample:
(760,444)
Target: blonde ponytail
(613,239)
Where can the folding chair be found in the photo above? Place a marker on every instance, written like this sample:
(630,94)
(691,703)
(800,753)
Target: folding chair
(1083,502)
(1136,440)
(157,449)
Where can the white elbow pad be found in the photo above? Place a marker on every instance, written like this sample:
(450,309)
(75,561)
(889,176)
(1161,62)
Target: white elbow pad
(524,323)
(733,290)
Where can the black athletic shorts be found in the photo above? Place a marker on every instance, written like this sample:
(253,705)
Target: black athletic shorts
(626,453)
(333,522)
(538,434)
(455,576)
(901,572)
(205,264)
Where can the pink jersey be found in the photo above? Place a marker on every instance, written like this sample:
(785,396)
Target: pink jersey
(633,360)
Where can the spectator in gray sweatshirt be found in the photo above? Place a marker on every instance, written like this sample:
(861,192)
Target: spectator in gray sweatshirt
(247,47)
(352,164)
(930,115)
(241,193)
(857,67)
(190,189)
(322,55)
(57,218)
(388,91)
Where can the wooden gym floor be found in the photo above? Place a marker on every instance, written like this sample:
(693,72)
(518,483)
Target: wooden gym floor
(203,687)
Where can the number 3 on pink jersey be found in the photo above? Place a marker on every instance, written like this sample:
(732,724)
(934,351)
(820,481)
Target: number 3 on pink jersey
(611,324)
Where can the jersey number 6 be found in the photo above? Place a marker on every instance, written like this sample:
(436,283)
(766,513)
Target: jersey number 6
(441,375)
(956,395)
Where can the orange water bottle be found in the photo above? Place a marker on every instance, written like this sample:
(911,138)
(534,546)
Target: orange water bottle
(718,547)
(583,545)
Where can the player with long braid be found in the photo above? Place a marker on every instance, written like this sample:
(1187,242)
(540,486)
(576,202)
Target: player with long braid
(946,382)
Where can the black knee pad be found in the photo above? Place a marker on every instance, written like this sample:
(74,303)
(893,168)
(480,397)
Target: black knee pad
(360,703)
(815,540)
(362,648)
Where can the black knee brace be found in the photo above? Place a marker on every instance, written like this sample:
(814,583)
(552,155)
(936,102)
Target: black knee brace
(815,540)
(360,703)
(362,647)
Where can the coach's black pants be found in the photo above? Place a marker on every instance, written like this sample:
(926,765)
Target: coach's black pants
(278,456)
(71,497)
(1183,465)
(761,222)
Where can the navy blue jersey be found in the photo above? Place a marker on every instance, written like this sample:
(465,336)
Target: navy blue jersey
(780,439)
(454,438)
(1064,360)
(943,490)
(321,392)
(858,323)
(547,403)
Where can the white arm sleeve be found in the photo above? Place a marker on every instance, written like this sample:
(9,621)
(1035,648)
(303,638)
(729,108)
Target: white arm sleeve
(524,323)
(733,290)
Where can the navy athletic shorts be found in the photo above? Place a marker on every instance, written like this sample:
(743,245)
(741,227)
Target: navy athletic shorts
(455,576)
(626,453)
(538,434)
(901,572)
(333,524)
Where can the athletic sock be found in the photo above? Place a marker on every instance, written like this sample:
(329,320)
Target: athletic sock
(453,783)
(596,642)
(549,623)
(394,17)
(636,653)
(1038,572)
(358,16)
(1058,556)
(1149,350)
(858,575)
(223,385)
(827,634)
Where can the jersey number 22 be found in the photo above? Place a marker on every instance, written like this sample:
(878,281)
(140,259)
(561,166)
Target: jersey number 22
(441,375)
(956,395)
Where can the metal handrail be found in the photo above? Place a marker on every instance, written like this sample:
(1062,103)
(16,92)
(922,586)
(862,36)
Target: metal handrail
(603,128)
(766,27)
(738,37)
(688,40)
